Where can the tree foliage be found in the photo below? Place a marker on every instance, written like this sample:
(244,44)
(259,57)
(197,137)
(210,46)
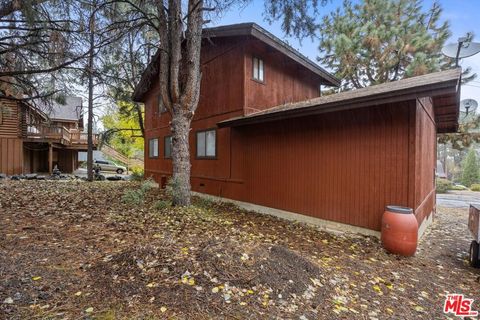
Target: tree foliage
(377,41)
(468,132)
(122,130)
(299,18)
(38,39)
(471,173)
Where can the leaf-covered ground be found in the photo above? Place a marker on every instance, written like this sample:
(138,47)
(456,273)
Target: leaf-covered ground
(74,250)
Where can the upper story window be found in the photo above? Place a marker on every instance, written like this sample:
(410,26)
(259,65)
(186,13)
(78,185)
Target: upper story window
(207,144)
(258,72)
(161,106)
(167,147)
(153,148)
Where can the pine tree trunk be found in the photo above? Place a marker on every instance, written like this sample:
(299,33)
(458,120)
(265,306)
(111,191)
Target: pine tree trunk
(181,157)
(90,98)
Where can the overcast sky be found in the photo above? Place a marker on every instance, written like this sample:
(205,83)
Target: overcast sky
(464,16)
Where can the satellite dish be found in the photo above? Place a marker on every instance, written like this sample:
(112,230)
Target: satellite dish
(462,49)
(467,49)
(468,106)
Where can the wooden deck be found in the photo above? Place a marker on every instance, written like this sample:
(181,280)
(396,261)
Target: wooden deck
(71,139)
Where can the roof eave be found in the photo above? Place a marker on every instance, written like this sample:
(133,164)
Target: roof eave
(451,86)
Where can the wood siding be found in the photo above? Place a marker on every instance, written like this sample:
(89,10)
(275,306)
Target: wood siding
(221,97)
(285,80)
(344,166)
(423,159)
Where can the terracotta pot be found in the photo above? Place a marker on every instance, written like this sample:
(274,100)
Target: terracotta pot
(399,230)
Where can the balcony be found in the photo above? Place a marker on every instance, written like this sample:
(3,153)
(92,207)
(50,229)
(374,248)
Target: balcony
(68,137)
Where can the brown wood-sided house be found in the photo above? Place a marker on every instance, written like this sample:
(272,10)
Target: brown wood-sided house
(36,138)
(265,137)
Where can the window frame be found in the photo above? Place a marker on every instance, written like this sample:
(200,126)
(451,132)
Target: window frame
(257,77)
(150,149)
(165,146)
(205,157)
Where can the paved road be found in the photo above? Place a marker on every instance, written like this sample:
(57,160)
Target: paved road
(458,199)
(81,172)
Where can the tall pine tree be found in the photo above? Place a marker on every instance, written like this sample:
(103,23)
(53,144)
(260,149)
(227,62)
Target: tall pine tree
(377,41)
(471,173)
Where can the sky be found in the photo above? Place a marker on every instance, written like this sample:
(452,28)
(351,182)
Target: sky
(463,15)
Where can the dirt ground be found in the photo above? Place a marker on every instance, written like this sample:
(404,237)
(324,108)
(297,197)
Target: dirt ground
(74,250)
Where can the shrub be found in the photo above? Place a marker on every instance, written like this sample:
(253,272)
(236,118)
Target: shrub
(137,196)
(162,204)
(147,185)
(133,197)
(170,188)
(443,185)
(475,187)
(458,187)
(138,174)
(204,202)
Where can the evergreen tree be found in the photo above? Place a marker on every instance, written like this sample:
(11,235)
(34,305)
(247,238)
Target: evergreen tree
(471,173)
(377,41)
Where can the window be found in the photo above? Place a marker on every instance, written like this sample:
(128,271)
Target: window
(161,106)
(206,144)
(167,147)
(153,148)
(258,73)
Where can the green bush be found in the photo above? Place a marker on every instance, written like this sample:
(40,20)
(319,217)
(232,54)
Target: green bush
(147,185)
(162,205)
(137,196)
(475,187)
(138,174)
(171,187)
(443,185)
(458,187)
(133,197)
(206,203)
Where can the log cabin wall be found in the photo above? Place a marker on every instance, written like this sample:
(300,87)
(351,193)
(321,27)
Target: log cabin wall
(11,146)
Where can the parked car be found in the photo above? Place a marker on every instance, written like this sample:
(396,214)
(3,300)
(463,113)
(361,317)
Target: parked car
(106,165)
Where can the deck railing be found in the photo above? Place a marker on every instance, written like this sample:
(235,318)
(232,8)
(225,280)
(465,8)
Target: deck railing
(61,134)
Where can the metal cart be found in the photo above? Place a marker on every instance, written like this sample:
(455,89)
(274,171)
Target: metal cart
(474,227)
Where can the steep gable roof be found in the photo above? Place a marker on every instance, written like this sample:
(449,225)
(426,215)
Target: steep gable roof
(236,30)
(71,110)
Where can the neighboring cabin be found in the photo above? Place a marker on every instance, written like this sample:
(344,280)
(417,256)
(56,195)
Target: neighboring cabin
(263,135)
(36,138)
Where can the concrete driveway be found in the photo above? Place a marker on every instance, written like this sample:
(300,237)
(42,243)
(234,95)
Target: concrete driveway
(458,199)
